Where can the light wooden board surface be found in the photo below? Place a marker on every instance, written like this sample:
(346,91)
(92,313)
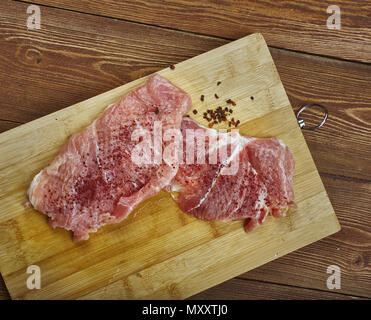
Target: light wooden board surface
(159,252)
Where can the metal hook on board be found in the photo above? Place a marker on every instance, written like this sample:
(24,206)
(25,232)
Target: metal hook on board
(301,121)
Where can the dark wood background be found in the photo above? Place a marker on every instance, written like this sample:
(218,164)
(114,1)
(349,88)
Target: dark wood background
(88,47)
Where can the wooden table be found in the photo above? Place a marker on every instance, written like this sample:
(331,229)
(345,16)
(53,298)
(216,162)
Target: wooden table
(88,47)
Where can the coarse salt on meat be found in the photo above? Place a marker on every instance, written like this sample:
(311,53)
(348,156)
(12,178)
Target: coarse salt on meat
(93,180)
(260,185)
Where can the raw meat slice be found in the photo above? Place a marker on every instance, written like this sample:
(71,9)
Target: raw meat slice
(260,184)
(94,180)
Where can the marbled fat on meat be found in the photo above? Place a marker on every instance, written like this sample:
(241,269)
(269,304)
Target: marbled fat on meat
(261,185)
(93,180)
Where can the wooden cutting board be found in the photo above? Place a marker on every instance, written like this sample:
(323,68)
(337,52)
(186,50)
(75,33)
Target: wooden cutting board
(159,252)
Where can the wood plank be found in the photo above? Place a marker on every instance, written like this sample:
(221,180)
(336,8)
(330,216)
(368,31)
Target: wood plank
(7,125)
(4,294)
(71,87)
(75,56)
(110,57)
(350,248)
(243,289)
(295,25)
(342,145)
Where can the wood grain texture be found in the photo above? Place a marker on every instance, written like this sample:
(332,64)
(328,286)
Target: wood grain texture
(128,260)
(7,125)
(296,25)
(134,55)
(343,145)
(47,75)
(350,248)
(4,294)
(75,56)
(243,289)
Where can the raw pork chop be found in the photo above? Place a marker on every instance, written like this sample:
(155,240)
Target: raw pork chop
(259,184)
(93,180)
